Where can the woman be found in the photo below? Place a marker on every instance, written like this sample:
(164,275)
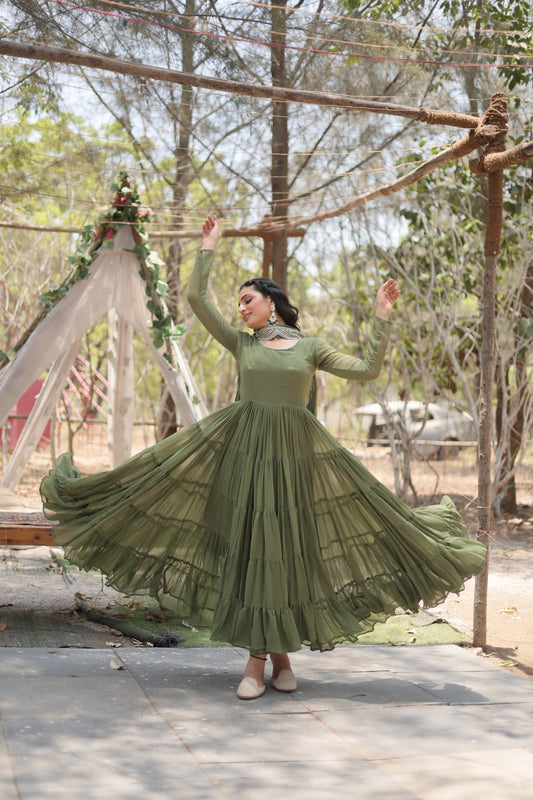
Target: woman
(255,520)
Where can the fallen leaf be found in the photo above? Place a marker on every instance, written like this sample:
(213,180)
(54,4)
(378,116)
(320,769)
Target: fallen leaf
(185,624)
(511,610)
(114,665)
(154,616)
(114,644)
(508,663)
(113,631)
(3,626)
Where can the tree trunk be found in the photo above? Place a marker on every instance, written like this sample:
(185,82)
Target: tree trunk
(516,407)
(167,422)
(280,144)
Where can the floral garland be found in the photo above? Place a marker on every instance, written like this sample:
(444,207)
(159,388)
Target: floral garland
(126,208)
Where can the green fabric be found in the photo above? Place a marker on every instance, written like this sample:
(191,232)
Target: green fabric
(255,520)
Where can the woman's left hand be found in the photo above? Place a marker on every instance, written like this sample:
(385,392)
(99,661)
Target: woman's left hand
(386,297)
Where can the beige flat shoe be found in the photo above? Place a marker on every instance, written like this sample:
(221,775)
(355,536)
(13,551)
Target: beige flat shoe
(285,682)
(250,689)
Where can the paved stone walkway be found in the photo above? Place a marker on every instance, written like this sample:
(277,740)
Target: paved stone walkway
(369,723)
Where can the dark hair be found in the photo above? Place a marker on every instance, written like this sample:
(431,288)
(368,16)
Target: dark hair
(269,288)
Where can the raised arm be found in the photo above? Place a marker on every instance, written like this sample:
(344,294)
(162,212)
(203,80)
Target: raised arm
(206,312)
(369,367)
(357,369)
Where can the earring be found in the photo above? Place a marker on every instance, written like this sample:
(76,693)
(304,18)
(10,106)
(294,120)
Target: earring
(272,320)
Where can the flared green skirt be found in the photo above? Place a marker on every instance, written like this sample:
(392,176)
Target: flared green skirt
(257,523)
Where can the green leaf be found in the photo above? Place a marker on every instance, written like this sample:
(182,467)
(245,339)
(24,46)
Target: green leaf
(162,288)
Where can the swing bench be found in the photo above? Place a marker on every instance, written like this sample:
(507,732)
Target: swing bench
(29,530)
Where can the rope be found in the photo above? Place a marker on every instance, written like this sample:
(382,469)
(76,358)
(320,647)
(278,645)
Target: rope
(295,48)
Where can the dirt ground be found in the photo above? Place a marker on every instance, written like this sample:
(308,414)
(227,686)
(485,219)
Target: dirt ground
(510,594)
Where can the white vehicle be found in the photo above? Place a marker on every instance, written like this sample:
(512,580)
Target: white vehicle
(427,422)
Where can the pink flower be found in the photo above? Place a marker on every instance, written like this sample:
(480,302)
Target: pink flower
(110,233)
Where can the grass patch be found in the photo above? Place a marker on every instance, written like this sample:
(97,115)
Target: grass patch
(402,629)
(399,629)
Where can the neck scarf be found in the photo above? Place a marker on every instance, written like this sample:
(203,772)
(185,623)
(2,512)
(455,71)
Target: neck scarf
(274,329)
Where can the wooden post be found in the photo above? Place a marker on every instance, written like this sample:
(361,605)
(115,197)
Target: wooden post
(496,115)
(267,256)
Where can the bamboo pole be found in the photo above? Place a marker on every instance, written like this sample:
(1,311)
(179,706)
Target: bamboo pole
(473,139)
(230,233)
(62,55)
(496,161)
(496,115)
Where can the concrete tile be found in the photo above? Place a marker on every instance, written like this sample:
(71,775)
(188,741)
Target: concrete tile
(429,658)
(8,790)
(184,661)
(7,775)
(261,737)
(306,781)
(484,687)
(102,787)
(54,698)
(212,697)
(29,662)
(490,775)
(427,731)
(90,759)
(418,660)
(514,721)
(343,659)
(381,689)
(170,723)
(99,788)
(517,762)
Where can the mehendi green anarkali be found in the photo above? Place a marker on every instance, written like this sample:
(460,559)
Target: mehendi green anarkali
(255,520)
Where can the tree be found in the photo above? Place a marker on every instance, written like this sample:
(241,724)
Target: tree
(45,157)
(318,159)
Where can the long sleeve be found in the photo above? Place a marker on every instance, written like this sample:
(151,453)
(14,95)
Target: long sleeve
(357,369)
(206,312)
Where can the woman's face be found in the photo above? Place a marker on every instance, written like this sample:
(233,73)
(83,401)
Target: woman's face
(254,307)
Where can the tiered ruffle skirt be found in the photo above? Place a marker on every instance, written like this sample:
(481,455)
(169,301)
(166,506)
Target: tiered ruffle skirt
(257,523)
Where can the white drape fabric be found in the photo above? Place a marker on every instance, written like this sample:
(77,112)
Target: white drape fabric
(114,283)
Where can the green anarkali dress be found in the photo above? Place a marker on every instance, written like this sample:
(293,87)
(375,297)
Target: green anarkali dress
(255,520)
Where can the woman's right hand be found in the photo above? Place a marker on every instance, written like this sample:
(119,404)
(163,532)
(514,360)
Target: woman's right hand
(211,233)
